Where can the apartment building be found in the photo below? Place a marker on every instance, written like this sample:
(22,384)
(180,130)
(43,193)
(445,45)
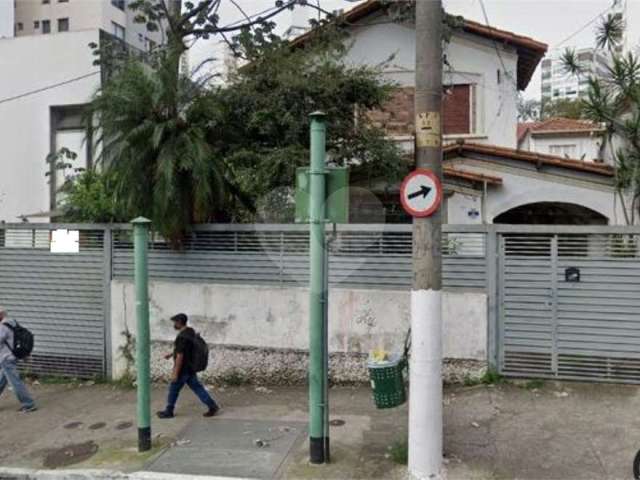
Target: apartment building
(557,83)
(43,17)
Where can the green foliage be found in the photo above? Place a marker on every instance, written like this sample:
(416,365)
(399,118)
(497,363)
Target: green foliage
(265,111)
(399,452)
(88,197)
(535,384)
(155,148)
(563,107)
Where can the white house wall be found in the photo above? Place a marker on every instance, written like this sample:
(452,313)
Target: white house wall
(522,186)
(473,60)
(586,147)
(27,64)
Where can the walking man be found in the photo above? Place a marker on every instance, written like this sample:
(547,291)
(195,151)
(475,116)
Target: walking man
(183,371)
(8,367)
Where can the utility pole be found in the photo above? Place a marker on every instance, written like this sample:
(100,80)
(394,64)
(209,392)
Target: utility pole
(143,340)
(425,403)
(318,402)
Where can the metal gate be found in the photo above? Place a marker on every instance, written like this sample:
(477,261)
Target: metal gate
(570,304)
(61,297)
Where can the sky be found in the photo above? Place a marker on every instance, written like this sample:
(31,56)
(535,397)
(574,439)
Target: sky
(549,21)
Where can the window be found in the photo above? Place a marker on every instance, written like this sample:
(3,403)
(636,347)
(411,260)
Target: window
(46,26)
(568,151)
(19,26)
(118,30)
(63,24)
(118,4)
(63,1)
(45,2)
(458,110)
(36,25)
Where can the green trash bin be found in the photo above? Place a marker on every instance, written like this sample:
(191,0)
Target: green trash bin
(388,378)
(387,382)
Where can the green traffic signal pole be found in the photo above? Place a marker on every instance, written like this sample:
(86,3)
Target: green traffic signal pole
(318,433)
(140,243)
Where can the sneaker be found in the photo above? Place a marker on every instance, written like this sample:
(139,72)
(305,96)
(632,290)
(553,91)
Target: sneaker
(212,412)
(29,409)
(165,414)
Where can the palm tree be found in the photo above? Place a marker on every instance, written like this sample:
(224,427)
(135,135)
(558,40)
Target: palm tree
(153,141)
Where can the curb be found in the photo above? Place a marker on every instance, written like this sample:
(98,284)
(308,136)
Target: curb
(28,474)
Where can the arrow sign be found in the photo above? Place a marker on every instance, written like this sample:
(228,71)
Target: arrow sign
(421,193)
(424,191)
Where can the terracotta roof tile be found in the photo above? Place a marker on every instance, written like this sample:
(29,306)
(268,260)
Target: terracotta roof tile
(560,124)
(524,127)
(537,159)
(472,176)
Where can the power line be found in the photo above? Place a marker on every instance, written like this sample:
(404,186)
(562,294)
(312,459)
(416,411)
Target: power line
(48,87)
(582,29)
(495,46)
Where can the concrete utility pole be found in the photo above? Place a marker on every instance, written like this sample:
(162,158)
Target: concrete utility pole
(143,340)
(318,402)
(425,403)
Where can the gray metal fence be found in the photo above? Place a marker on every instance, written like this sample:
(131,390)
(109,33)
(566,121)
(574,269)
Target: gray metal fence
(61,297)
(570,303)
(544,321)
(361,256)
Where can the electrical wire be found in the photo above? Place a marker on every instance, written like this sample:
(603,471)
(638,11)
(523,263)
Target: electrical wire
(48,87)
(582,29)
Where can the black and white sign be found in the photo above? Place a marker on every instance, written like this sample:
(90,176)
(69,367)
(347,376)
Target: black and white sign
(421,193)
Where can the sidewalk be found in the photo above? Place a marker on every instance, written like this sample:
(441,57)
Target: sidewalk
(559,431)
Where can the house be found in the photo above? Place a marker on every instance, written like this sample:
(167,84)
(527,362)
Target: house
(487,178)
(565,137)
(48,78)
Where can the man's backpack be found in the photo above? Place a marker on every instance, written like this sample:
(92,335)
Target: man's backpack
(23,341)
(200,354)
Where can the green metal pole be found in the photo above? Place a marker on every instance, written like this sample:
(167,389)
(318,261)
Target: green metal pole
(318,437)
(143,340)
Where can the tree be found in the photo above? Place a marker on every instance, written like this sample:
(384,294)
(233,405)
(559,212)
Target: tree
(156,137)
(563,107)
(265,113)
(614,101)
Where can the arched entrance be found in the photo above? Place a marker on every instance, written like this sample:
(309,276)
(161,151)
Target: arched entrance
(551,213)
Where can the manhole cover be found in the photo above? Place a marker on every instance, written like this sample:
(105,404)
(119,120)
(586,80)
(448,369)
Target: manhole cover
(337,422)
(70,455)
(97,426)
(73,425)
(124,425)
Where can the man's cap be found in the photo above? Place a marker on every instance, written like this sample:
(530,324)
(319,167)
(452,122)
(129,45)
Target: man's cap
(180,317)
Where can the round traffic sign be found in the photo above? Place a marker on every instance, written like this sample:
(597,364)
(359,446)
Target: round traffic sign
(421,193)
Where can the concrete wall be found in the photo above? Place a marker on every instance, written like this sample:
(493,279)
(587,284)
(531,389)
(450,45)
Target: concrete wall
(25,122)
(473,60)
(270,325)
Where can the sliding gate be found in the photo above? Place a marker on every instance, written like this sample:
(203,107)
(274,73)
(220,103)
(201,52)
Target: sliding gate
(569,304)
(61,297)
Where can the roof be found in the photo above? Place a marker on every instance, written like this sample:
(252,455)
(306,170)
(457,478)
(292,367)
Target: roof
(523,128)
(471,176)
(530,51)
(534,158)
(564,125)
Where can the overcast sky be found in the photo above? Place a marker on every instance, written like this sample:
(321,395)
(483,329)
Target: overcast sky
(549,21)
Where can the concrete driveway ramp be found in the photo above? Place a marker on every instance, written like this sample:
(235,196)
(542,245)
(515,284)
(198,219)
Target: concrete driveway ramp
(231,448)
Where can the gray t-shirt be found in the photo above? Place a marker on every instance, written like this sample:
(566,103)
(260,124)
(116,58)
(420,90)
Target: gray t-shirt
(6,337)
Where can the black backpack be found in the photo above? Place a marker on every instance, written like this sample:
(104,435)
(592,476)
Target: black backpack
(23,341)
(199,354)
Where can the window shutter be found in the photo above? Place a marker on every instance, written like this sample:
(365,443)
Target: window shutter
(456,107)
